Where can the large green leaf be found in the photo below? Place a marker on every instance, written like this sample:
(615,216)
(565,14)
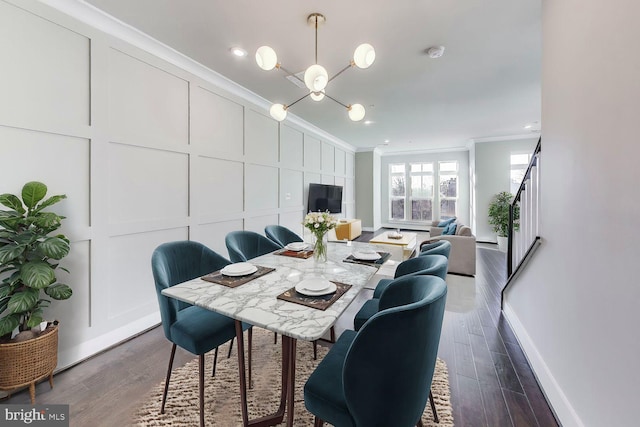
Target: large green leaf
(33,192)
(34,319)
(4,302)
(37,274)
(10,252)
(10,219)
(46,220)
(23,300)
(11,201)
(5,290)
(9,323)
(59,291)
(50,201)
(54,247)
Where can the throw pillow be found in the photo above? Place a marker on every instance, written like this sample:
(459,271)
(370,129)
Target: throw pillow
(446,222)
(450,230)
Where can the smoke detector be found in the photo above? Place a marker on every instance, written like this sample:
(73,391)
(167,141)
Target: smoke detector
(435,51)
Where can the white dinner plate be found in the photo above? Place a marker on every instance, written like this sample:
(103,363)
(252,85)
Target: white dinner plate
(239,269)
(296,246)
(329,289)
(366,255)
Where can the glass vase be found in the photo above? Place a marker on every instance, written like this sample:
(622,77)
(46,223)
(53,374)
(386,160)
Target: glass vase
(320,247)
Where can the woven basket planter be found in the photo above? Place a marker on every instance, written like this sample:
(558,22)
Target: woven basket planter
(24,363)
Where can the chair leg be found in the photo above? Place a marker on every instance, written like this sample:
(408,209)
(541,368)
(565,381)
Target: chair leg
(230,348)
(250,340)
(275,338)
(201,387)
(315,350)
(215,362)
(317,422)
(166,382)
(433,408)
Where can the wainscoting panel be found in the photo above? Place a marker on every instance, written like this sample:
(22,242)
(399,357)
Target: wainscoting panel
(291,147)
(44,78)
(131,292)
(217,123)
(327,179)
(291,188)
(261,187)
(257,223)
(293,221)
(147,184)
(340,162)
(213,234)
(146,103)
(312,153)
(350,165)
(328,158)
(261,138)
(41,155)
(218,186)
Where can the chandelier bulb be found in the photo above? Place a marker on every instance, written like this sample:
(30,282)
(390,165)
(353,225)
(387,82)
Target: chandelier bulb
(317,96)
(356,112)
(364,55)
(278,112)
(266,58)
(316,78)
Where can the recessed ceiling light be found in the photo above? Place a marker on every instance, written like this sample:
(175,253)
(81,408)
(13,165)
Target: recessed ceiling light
(238,51)
(369,122)
(528,126)
(386,142)
(435,51)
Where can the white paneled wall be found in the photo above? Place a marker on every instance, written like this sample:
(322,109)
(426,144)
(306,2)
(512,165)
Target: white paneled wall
(147,152)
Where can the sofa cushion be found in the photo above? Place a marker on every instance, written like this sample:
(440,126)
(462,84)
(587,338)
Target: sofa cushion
(463,230)
(446,222)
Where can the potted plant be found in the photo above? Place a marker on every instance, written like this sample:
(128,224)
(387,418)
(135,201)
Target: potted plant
(499,217)
(29,257)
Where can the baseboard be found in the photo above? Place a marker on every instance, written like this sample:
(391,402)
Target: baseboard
(71,356)
(556,398)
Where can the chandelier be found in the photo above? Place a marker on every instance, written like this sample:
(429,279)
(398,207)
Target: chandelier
(316,77)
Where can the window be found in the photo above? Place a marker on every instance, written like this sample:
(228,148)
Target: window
(397,190)
(421,197)
(519,165)
(448,178)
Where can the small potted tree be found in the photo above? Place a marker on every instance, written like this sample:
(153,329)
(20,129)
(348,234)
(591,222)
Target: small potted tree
(29,257)
(499,217)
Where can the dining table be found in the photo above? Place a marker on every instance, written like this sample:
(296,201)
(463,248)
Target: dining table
(259,302)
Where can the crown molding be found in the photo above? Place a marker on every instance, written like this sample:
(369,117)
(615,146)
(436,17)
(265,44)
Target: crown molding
(423,151)
(100,20)
(535,135)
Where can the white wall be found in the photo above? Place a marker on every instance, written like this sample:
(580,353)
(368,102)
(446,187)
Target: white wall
(147,152)
(462,157)
(575,308)
(493,175)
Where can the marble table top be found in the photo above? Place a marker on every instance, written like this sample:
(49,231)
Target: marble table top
(255,302)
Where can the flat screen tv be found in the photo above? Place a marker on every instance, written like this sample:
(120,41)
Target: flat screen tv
(325,198)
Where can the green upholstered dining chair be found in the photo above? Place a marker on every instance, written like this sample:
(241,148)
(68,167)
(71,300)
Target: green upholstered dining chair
(244,245)
(381,375)
(438,247)
(428,265)
(281,235)
(194,329)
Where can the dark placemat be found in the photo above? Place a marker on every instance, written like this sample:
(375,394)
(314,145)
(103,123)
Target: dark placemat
(294,254)
(377,263)
(234,281)
(321,302)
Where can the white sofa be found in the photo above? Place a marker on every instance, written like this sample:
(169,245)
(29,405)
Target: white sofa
(462,259)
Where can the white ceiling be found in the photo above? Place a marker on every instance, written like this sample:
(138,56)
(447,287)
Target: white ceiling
(487,84)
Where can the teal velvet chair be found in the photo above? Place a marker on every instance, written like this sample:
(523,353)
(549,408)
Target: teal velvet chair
(439,247)
(245,245)
(429,265)
(381,375)
(281,235)
(194,329)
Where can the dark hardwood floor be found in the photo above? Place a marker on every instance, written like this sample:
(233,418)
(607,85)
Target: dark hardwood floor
(491,381)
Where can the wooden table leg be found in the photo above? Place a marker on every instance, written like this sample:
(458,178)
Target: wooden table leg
(288,381)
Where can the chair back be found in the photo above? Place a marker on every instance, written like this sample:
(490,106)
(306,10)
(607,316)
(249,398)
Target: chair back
(177,262)
(245,245)
(439,247)
(281,235)
(434,265)
(389,366)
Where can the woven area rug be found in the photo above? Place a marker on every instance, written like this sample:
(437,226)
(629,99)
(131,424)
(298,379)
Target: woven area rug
(222,398)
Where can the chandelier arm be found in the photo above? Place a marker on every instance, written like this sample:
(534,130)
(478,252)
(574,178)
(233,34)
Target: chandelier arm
(316,39)
(335,100)
(340,72)
(298,100)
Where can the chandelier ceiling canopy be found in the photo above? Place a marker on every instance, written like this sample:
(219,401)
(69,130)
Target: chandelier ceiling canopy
(316,77)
